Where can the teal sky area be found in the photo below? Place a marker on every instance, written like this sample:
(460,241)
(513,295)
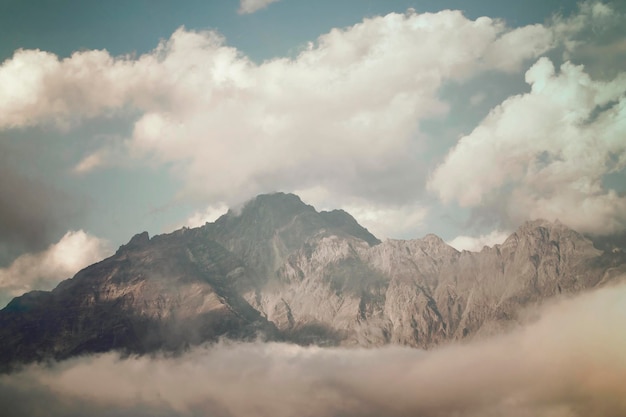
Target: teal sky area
(424,123)
(66,26)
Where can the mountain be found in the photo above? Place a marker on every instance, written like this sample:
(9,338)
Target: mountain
(280,270)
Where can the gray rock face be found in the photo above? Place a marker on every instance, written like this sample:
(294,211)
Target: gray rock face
(423,292)
(162,293)
(284,270)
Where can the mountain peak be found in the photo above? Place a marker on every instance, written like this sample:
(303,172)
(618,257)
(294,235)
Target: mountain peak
(541,233)
(278,199)
(535,223)
(277,206)
(546,228)
(433,238)
(136,242)
(272,226)
(267,214)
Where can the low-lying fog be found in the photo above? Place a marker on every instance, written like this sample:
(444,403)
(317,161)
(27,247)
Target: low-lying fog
(570,362)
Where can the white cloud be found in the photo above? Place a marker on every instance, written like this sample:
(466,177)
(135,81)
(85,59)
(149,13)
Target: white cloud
(594,37)
(208,215)
(476,244)
(251,6)
(549,149)
(343,114)
(528,42)
(569,363)
(389,221)
(42,271)
(593,16)
(38,87)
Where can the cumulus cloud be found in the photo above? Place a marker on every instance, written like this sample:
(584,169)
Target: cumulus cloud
(345,114)
(476,244)
(342,114)
(42,271)
(38,87)
(546,151)
(569,363)
(251,6)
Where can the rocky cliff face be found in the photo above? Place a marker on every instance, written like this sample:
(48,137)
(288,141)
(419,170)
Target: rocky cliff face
(281,269)
(166,292)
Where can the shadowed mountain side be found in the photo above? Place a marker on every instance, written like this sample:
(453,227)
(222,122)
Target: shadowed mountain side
(281,269)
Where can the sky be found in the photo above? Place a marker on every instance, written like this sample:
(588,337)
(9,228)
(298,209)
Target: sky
(462,119)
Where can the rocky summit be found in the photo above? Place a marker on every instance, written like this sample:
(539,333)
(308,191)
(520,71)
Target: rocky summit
(277,269)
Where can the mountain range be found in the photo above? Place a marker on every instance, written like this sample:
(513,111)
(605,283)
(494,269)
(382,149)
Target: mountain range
(277,269)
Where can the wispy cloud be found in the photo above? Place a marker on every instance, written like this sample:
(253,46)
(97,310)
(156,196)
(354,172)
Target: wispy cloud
(91,162)
(251,6)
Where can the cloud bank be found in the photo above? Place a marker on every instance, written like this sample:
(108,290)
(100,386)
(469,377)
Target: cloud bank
(569,363)
(44,270)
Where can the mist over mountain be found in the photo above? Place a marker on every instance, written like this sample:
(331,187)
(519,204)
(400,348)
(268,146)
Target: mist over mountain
(279,270)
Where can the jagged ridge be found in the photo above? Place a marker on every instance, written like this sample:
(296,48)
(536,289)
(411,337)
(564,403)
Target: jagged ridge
(280,268)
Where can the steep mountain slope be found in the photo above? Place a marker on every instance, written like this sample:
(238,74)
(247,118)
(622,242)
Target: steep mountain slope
(161,293)
(280,268)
